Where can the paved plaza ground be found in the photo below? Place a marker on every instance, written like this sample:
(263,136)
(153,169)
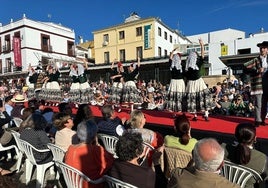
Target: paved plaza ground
(50,181)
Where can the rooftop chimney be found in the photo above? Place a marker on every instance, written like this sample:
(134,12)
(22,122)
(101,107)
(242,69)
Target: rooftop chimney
(80,39)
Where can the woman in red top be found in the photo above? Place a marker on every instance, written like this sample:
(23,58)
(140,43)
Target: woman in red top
(87,156)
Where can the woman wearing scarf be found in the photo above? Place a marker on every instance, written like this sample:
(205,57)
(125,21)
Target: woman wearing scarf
(176,89)
(51,90)
(78,74)
(198,94)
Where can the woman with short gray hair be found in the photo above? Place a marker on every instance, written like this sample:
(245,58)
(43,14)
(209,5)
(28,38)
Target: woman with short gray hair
(88,156)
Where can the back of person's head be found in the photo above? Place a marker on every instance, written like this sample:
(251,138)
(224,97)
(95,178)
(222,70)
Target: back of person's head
(129,146)
(65,107)
(47,109)
(182,128)
(26,112)
(35,121)
(245,134)
(107,111)
(208,155)
(83,113)
(8,98)
(33,103)
(135,118)
(60,119)
(87,131)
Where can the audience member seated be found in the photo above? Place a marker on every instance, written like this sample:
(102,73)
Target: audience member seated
(48,114)
(34,133)
(98,99)
(238,107)
(19,101)
(27,112)
(183,139)
(159,100)
(149,100)
(136,123)
(222,106)
(242,152)
(9,104)
(129,150)
(88,156)
(6,138)
(110,124)
(65,107)
(83,113)
(208,158)
(65,136)
(251,110)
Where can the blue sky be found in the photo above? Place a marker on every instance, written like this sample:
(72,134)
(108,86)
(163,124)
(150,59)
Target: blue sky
(190,17)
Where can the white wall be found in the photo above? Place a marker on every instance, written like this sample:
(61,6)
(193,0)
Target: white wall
(166,44)
(30,32)
(214,40)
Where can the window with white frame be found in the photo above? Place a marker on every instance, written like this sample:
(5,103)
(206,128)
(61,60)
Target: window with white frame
(106,57)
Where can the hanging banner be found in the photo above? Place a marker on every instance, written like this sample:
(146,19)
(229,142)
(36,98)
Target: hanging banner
(17,51)
(224,50)
(147,34)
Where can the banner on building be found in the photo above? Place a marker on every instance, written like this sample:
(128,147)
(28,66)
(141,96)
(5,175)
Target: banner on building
(224,50)
(147,36)
(17,51)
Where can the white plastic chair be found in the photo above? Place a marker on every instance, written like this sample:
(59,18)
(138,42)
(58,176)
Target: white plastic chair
(28,149)
(57,152)
(147,148)
(8,148)
(16,136)
(73,177)
(239,174)
(109,143)
(58,155)
(17,121)
(116,183)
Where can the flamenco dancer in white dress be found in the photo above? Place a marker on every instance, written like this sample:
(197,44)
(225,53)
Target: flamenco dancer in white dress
(198,95)
(176,90)
(80,91)
(51,90)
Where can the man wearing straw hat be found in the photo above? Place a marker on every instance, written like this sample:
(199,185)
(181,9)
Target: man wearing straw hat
(19,101)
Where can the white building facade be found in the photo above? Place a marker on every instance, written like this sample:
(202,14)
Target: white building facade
(226,45)
(215,42)
(26,42)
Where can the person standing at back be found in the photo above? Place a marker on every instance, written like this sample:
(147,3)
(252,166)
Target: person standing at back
(257,68)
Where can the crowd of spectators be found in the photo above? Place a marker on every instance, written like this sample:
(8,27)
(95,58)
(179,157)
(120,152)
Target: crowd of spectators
(77,133)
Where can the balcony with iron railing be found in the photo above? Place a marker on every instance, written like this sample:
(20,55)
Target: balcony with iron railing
(6,48)
(47,48)
(6,70)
